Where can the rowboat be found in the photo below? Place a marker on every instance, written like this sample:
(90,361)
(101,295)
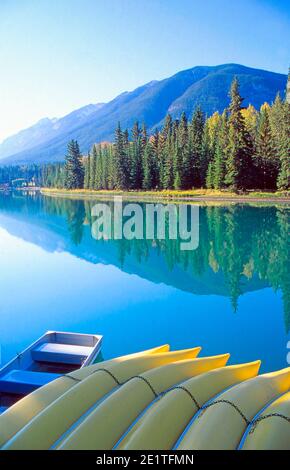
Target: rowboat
(52,355)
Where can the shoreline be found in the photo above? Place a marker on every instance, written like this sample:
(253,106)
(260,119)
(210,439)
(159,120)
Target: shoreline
(202,196)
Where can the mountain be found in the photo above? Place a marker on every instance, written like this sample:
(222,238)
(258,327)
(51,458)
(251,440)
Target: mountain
(46,129)
(201,85)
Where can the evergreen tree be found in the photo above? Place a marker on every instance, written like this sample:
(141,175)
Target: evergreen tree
(105,166)
(218,168)
(279,115)
(238,165)
(164,153)
(177,181)
(111,168)
(283,180)
(209,176)
(207,157)
(169,150)
(93,163)
(198,152)
(232,163)
(74,171)
(266,165)
(136,157)
(178,161)
(148,167)
(161,155)
(87,172)
(144,137)
(155,141)
(185,167)
(122,170)
(99,169)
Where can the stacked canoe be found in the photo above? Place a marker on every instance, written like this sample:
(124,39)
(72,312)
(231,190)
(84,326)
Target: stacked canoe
(155,399)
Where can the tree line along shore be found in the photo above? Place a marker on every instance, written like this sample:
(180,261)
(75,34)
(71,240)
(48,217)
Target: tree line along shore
(240,150)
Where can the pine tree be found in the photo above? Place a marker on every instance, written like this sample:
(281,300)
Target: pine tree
(238,165)
(198,152)
(209,176)
(169,149)
(206,158)
(155,141)
(111,167)
(283,180)
(99,169)
(220,151)
(122,170)
(184,169)
(144,137)
(136,158)
(232,163)
(167,128)
(218,168)
(126,140)
(164,153)
(279,115)
(149,177)
(178,161)
(74,171)
(87,172)
(264,159)
(177,181)
(161,155)
(93,163)
(105,166)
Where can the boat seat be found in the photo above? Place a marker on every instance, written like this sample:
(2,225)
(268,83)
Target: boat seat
(61,353)
(23,381)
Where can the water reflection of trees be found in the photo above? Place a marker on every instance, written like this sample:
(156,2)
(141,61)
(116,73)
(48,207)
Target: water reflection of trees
(237,241)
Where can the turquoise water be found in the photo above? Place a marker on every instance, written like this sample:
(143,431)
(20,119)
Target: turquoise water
(231,294)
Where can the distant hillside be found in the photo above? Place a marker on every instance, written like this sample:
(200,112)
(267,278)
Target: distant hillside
(46,129)
(205,86)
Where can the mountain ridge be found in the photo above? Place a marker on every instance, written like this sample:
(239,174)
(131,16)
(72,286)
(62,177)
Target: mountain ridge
(206,86)
(45,128)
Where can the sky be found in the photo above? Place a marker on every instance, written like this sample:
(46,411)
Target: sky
(59,55)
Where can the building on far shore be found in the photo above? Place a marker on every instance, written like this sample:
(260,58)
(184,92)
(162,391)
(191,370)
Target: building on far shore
(20,183)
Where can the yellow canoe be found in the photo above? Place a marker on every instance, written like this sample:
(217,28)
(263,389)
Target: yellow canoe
(16,417)
(163,423)
(232,411)
(114,415)
(155,399)
(271,429)
(65,410)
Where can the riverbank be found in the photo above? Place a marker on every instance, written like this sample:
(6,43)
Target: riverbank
(195,195)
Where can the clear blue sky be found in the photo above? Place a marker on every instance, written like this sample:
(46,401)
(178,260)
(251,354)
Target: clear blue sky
(58,55)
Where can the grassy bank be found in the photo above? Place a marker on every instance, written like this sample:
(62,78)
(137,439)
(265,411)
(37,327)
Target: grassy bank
(199,195)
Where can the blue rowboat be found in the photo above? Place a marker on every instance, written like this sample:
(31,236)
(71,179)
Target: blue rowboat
(52,355)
